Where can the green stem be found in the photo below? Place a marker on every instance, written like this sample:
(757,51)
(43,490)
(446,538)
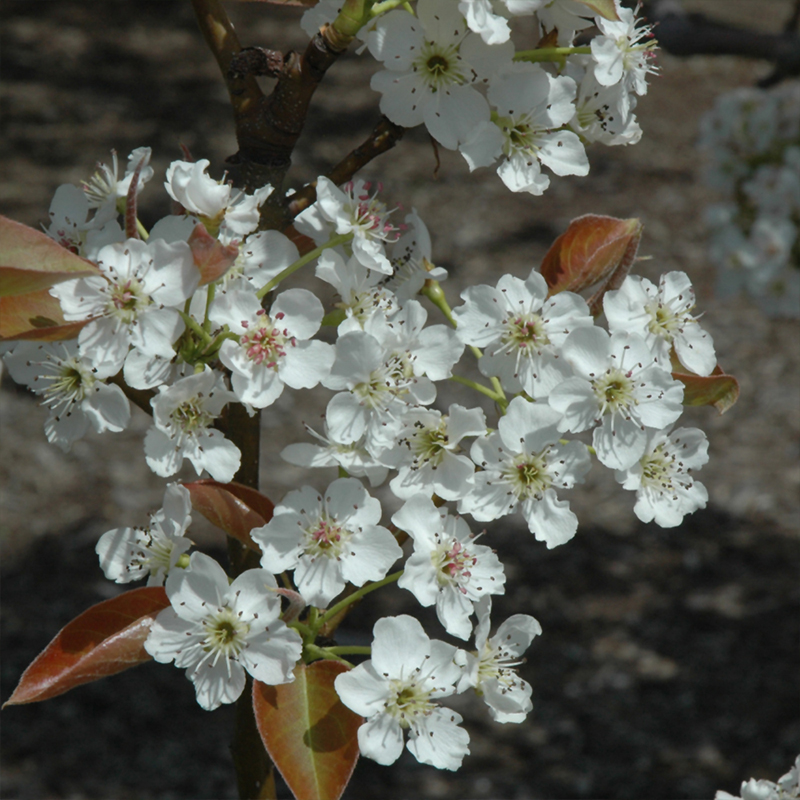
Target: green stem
(351,650)
(357,595)
(313,652)
(142,230)
(557,55)
(193,325)
(301,262)
(478,387)
(212,291)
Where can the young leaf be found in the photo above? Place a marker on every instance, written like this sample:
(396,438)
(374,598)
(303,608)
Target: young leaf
(235,508)
(211,257)
(107,638)
(717,389)
(592,249)
(35,315)
(310,735)
(30,260)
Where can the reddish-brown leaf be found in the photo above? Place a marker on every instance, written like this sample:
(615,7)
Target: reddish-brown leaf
(105,639)
(235,508)
(30,260)
(310,735)
(592,249)
(35,315)
(211,257)
(718,389)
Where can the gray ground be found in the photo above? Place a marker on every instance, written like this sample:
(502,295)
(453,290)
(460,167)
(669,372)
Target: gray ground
(668,662)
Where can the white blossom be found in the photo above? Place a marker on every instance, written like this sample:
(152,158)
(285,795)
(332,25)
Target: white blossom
(355,210)
(663,478)
(329,539)
(618,386)
(523,464)
(218,631)
(624,52)
(350,455)
(220,207)
(532,106)
(447,569)
(105,188)
(182,418)
(662,316)
(274,349)
(490,669)
(132,303)
(428,455)
(129,554)
(521,331)
(432,61)
(396,691)
(72,389)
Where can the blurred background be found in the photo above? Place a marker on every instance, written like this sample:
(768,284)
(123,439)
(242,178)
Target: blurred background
(668,663)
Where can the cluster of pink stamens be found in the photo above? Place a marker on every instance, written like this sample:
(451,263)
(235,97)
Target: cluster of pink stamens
(370,214)
(326,534)
(457,563)
(265,344)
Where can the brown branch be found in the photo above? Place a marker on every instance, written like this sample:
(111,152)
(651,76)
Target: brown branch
(385,135)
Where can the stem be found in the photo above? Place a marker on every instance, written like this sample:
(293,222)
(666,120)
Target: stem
(558,55)
(315,652)
(357,595)
(301,262)
(351,650)
(478,387)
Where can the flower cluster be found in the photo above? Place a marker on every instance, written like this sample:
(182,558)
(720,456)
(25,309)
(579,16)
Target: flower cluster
(185,315)
(152,320)
(752,139)
(452,67)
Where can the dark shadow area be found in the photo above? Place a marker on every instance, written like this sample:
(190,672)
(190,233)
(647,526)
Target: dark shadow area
(667,669)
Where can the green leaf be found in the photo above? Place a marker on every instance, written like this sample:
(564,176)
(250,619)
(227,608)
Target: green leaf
(310,735)
(718,389)
(35,315)
(105,639)
(594,248)
(31,261)
(234,507)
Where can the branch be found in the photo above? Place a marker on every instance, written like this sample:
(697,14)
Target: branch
(385,135)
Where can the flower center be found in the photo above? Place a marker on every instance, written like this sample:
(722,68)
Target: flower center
(614,391)
(126,300)
(407,702)
(369,214)
(519,135)
(663,321)
(326,537)
(453,562)
(528,475)
(191,416)
(265,344)
(225,634)
(428,445)
(439,66)
(525,333)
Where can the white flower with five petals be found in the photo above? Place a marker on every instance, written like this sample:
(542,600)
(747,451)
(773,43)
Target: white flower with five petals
(447,568)
(218,630)
(328,539)
(523,464)
(396,691)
